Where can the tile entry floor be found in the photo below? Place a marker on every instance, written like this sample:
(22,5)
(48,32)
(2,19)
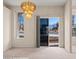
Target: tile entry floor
(38,53)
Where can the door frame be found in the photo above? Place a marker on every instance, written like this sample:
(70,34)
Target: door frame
(38,31)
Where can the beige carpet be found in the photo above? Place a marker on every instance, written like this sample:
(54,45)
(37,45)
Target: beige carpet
(38,53)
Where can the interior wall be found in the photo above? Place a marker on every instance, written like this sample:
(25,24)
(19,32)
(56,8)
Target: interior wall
(49,11)
(73,11)
(6,28)
(30,25)
(68,25)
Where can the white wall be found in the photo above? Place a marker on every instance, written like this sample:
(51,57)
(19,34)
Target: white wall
(6,28)
(73,11)
(68,25)
(29,34)
(30,25)
(49,11)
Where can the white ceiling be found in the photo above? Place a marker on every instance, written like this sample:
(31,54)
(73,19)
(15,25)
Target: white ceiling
(37,2)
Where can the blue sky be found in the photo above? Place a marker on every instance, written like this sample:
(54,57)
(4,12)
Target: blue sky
(21,19)
(74,18)
(53,20)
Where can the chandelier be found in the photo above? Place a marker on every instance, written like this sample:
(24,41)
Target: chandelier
(28,8)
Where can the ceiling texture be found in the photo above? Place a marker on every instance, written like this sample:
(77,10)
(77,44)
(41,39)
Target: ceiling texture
(37,2)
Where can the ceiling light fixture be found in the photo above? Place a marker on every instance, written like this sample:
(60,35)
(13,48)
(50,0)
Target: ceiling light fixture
(28,8)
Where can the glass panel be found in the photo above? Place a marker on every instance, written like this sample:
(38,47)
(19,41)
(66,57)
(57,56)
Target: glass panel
(73,25)
(20,26)
(53,31)
(53,25)
(43,32)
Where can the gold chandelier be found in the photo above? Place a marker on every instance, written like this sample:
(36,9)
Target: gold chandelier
(28,8)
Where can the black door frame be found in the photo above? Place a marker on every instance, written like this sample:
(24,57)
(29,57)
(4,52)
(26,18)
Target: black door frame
(37,31)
